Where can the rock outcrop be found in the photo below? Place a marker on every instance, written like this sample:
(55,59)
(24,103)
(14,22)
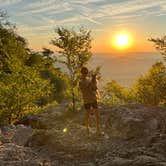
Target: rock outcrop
(132,135)
(134,120)
(13,147)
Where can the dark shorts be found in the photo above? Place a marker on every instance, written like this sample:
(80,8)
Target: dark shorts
(93,105)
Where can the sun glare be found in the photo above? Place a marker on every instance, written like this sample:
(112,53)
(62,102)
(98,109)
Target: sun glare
(122,41)
(65,130)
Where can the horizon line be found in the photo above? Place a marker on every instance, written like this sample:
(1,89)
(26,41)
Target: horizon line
(116,52)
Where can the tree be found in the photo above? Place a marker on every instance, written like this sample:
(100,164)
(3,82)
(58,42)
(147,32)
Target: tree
(19,92)
(20,85)
(4,23)
(12,52)
(160,44)
(74,52)
(150,88)
(45,62)
(113,93)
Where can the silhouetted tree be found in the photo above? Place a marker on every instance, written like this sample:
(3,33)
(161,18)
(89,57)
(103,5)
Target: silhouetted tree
(3,19)
(74,51)
(160,44)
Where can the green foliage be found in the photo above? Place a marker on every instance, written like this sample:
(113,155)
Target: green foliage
(150,88)
(20,85)
(113,94)
(34,60)
(12,52)
(160,44)
(19,90)
(59,83)
(45,62)
(74,52)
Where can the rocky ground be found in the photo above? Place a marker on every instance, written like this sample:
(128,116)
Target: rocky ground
(132,135)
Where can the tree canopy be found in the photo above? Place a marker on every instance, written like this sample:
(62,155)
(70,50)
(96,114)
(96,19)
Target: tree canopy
(150,88)
(74,52)
(160,44)
(23,85)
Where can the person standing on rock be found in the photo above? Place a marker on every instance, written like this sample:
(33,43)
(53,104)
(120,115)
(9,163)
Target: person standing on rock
(89,91)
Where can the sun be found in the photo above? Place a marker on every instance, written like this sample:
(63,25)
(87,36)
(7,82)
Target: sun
(122,41)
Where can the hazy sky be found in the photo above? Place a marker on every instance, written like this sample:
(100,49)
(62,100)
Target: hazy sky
(142,19)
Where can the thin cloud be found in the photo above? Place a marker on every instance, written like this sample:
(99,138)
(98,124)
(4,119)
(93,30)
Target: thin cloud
(94,12)
(86,1)
(70,20)
(121,17)
(85,13)
(40,10)
(161,14)
(130,6)
(50,6)
(97,30)
(8,2)
(41,4)
(91,20)
(49,25)
(126,11)
(81,12)
(163,8)
(31,29)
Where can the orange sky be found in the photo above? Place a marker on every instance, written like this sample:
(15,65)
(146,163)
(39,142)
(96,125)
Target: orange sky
(142,19)
(104,45)
(103,42)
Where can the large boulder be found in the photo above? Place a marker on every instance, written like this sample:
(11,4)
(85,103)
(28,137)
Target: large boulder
(33,121)
(22,135)
(133,121)
(19,134)
(45,119)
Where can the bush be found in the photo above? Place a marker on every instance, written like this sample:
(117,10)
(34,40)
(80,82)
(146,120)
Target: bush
(151,88)
(20,85)
(113,94)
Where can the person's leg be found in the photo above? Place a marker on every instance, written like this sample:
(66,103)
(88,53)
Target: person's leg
(97,116)
(97,119)
(87,119)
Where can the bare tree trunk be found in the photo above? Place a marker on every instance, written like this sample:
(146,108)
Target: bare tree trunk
(10,118)
(73,99)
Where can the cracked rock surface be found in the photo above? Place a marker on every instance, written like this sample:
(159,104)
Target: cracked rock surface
(132,135)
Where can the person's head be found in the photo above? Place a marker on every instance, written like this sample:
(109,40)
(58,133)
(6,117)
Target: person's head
(84,71)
